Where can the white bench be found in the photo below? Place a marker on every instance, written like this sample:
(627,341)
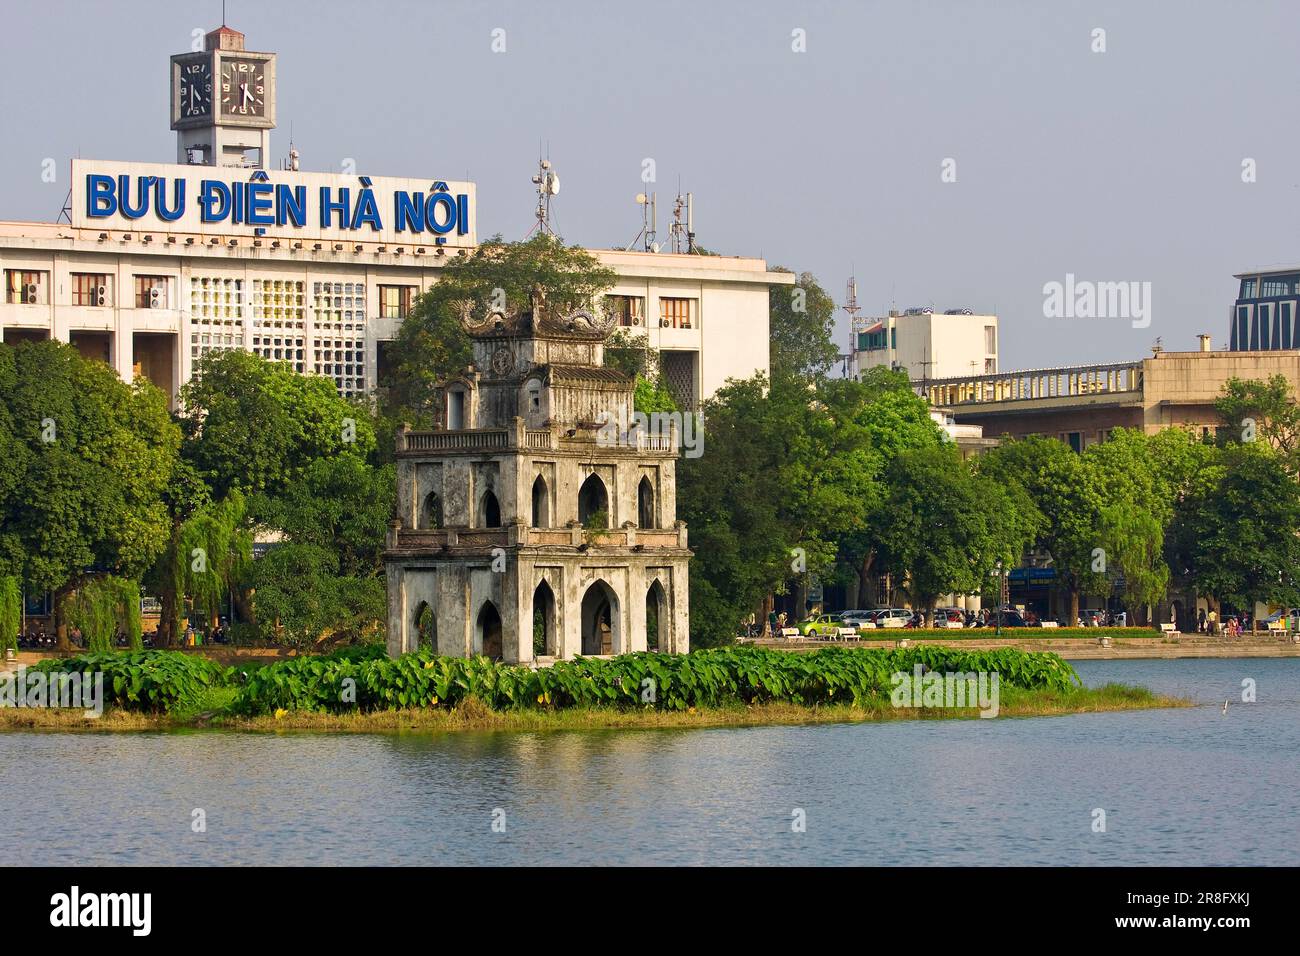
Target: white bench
(1169,628)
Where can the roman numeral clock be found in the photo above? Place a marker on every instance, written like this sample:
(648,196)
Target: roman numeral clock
(223,103)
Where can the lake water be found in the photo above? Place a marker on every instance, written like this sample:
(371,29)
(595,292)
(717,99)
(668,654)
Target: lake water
(1178,787)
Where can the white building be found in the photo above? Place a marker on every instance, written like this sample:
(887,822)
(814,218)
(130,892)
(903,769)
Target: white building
(160,264)
(927,344)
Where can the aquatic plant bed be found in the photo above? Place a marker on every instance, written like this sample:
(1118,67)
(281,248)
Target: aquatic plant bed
(361,689)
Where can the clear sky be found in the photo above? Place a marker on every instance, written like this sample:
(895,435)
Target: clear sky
(1123,165)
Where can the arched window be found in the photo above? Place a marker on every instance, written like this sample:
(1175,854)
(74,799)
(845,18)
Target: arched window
(645,504)
(489,631)
(431,513)
(533,393)
(541,503)
(593,503)
(544,643)
(490,511)
(426,628)
(656,617)
(600,621)
(456,409)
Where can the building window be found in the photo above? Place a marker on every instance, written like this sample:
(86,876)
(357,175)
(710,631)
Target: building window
(1248,287)
(395,301)
(675,313)
(990,340)
(89,289)
(1277,285)
(1265,326)
(151,292)
(628,309)
(990,366)
(1287,321)
(26,288)
(339,334)
(1074,440)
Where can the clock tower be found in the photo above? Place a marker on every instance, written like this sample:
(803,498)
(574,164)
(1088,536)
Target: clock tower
(223,103)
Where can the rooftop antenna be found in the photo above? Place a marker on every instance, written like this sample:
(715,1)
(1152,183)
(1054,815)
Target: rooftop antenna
(292,163)
(852,308)
(682,231)
(547,181)
(649,222)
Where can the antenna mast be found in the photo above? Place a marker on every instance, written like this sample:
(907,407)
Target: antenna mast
(682,231)
(852,308)
(547,181)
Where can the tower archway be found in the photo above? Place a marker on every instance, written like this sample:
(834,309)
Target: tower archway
(487,630)
(593,502)
(601,633)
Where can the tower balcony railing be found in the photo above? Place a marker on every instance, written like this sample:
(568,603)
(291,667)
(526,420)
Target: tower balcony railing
(573,535)
(1077,381)
(475,439)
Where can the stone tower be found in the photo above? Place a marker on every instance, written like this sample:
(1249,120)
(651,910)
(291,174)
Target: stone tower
(524,532)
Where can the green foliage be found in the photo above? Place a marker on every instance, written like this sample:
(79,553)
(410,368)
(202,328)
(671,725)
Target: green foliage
(705,678)
(598,520)
(1264,411)
(102,607)
(945,528)
(302,597)
(11,611)
(1235,531)
(431,345)
(257,425)
(152,681)
(801,319)
(85,460)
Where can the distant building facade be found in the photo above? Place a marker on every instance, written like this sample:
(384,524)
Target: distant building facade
(927,344)
(1264,316)
(159,264)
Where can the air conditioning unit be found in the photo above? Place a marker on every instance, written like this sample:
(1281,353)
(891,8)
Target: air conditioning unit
(101,295)
(29,294)
(664,324)
(156,298)
(636,320)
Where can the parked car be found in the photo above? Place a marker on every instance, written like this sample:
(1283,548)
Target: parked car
(949,617)
(823,625)
(856,618)
(1010,617)
(891,617)
(1093,617)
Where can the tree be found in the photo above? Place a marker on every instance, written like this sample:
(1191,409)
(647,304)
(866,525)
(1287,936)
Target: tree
(431,345)
(801,320)
(1236,532)
(944,528)
(632,355)
(303,597)
(895,420)
(1065,487)
(255,425)
(96,455)
(1264,411)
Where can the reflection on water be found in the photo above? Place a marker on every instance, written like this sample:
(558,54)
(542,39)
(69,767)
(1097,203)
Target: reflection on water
(1179,787)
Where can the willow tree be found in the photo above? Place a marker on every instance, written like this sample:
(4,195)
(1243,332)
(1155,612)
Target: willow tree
(210,551)
(102,607)
(11,611)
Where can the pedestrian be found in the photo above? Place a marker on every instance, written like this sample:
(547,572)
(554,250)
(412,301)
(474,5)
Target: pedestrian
(1212,621)
(771,621)
(1200,621)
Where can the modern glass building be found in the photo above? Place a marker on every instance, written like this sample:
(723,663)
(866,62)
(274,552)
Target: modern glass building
(1264,316)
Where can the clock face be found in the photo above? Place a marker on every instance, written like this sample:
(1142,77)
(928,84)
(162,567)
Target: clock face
(243,87)
(195,90)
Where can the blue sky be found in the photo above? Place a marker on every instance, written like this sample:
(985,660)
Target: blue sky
(1122,165)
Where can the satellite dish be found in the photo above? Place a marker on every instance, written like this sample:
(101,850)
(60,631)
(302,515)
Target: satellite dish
(552,183)
(640,197)
(654,247)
